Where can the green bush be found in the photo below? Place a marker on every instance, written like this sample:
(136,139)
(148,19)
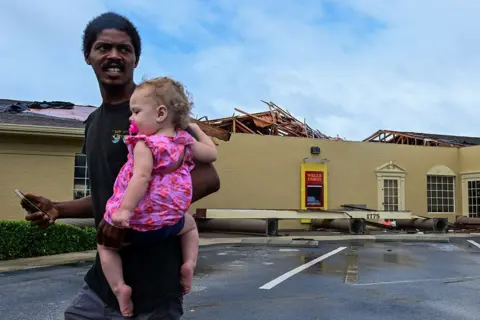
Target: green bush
(19,239)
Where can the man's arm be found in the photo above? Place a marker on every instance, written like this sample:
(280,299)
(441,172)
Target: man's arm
(78,208)
(51,211)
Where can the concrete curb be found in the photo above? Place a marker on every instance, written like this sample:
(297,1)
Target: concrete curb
(85,256)
(314,241)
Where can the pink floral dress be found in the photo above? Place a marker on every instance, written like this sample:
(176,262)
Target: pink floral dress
(169,195)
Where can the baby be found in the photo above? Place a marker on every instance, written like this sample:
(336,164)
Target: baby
(153,190)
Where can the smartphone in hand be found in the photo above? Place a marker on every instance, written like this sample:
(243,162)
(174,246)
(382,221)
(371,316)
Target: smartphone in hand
(31,207)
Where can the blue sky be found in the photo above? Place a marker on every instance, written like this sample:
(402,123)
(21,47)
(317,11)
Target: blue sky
(349,67)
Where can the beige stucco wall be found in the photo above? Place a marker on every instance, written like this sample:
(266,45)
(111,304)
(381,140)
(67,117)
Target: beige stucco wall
(38,165)
(255,171)
(264,172)
(470,159)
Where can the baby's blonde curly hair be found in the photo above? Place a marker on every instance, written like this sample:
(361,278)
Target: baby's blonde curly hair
(173,95)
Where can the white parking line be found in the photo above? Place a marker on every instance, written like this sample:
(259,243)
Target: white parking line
(416,280)
(474,243)
(291,273)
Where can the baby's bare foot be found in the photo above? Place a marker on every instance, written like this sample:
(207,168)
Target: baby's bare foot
(187,276)
(124,297)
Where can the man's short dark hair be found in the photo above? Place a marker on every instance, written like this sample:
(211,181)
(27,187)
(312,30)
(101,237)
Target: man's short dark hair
(110,20)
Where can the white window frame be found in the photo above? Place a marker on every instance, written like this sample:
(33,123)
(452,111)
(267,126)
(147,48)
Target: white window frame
(391,171)
(85,188)
(442,171)
(465,178)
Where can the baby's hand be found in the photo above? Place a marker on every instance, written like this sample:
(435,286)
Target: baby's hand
(120,218)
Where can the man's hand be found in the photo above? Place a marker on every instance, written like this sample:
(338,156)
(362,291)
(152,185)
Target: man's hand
(110,236)
(42,219)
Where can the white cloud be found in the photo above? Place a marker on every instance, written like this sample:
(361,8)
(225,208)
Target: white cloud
(41,56)
(418,71)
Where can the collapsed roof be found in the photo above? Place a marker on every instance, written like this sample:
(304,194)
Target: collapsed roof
(275,121)
(422,139)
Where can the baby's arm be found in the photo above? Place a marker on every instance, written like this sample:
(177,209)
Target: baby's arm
(204,149)
(137,187)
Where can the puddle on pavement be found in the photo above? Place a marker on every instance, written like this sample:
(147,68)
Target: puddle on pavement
(205,270)
(202,306)
(348,266)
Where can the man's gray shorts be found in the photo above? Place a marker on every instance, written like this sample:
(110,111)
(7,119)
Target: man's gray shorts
(87,305)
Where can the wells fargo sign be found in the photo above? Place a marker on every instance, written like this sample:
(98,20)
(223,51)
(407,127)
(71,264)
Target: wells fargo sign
(314,177)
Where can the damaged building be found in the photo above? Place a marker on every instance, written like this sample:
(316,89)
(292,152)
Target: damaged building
(267,160)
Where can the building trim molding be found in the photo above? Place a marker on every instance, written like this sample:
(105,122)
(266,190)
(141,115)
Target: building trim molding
(441,170)
(38,153)
(29,130)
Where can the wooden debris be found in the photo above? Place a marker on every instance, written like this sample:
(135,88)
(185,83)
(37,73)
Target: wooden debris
(275,121)
(422,139)
(212,131)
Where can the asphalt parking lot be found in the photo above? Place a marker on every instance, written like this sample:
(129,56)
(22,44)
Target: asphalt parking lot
(334,281)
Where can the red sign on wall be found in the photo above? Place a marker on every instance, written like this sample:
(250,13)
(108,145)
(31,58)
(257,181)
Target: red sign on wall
(314,177)
(314,192)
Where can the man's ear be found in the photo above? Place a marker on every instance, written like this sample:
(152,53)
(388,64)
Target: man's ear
(87,60)
(162,113)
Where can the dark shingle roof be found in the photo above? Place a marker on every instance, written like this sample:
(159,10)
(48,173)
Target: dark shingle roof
(26,118)
(18,112)
(471,141)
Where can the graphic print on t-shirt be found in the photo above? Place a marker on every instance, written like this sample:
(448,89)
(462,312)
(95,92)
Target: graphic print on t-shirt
(118,135)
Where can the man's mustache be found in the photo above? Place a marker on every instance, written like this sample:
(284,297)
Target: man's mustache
(113,64)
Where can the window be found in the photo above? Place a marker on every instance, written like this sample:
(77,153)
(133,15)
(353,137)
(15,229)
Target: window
(81,183)
(314,196)
(473,198)
(441,193)
(390,194)
(391,187)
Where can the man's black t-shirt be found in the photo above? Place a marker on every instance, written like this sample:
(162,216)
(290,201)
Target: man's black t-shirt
(152,270)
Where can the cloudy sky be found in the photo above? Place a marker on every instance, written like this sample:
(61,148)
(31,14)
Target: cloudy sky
(350,67)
